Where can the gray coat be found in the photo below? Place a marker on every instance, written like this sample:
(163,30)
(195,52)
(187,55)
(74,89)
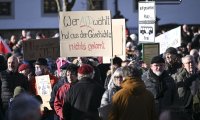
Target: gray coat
(187,86)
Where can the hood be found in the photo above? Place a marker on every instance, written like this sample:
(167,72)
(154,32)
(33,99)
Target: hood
(134,85)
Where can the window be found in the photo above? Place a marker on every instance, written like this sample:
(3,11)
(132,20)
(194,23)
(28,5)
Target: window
(98,5)
(49,7)
(6,9)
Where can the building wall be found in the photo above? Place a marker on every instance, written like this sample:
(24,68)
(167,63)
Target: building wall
(28,14)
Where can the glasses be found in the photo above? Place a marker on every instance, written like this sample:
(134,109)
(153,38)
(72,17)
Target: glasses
(118,77)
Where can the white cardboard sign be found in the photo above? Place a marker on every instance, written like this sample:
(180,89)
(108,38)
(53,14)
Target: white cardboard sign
(85,33)
(119,39)
(43,86)
(171,38)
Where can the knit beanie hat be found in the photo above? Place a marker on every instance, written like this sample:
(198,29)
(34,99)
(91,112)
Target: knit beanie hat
(171,50)
(117,60)
(23,67)
(72,68)
(85,69)
(157,59)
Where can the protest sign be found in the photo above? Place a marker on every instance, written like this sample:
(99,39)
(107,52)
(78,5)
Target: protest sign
(149,51)
(43,87)
(119,39)
(171,38)
(45,48)
(85,33)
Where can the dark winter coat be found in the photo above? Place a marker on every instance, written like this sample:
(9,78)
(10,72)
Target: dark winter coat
(163,89)
(187,86)
(82,100)
(9,81)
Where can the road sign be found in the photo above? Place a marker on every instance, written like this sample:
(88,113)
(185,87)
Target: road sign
(147,11)
(146,32)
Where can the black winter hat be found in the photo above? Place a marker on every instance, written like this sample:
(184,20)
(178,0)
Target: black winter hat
(117,60)
(64,67)
(70,67)
(157,59)
(41,61)
(171,50)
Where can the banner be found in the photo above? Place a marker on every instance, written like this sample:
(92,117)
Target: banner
(42,48)
(43,87)
(171,38)
(85,33)
(119,39)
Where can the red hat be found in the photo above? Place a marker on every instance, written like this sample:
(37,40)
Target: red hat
(23,67)
(85,69)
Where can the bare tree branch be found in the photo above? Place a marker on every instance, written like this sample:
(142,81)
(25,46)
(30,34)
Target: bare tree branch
(58,5)
(91,4)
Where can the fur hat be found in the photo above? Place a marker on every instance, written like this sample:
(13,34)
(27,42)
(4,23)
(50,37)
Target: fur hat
(85,69)
(171,50)
(72,68)
(41,61)
(157,59)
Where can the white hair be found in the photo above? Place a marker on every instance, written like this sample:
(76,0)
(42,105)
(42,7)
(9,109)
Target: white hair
(118,71)
(187,57)
(91,75)
(194,52)
(134,37)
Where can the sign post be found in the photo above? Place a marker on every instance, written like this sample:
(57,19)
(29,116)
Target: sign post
(147,17)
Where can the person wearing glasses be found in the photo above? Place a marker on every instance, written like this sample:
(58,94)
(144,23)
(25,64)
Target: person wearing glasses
(133,101)
(113,87)
(187,81)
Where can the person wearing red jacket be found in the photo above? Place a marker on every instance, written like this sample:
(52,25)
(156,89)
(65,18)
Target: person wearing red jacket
(41,69)
(71,79)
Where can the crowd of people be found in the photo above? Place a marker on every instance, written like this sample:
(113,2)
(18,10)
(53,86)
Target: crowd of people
(84,88)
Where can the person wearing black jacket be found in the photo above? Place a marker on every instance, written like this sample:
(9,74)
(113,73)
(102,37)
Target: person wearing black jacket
(83,98)
(10,79)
